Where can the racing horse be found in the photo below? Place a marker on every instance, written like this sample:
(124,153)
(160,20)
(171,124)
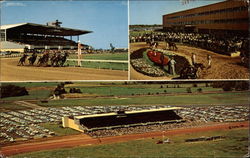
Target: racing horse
(54,59)
(63,59)
(32,59)
(171,45)
(22,60)
(43,60)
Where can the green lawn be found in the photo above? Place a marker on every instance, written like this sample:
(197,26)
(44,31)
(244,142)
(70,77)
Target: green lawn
(58,129)
(100,65)
(224,98)
(105,56)
(235,144)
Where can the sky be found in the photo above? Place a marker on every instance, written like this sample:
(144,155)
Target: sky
(107,19)
(150,12)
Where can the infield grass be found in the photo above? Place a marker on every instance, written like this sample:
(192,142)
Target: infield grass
(104,56)
(221,99)
(58,129)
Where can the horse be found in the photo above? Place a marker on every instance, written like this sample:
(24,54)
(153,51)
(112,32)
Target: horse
(63,59)
(32,59)
(53,60)
(172,45)
(43,60)
(191,72)
(22,59)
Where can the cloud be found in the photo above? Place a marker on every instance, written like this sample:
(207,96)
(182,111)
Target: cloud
(14,4)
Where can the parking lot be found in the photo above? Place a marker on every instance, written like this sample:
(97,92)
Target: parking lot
(25,124)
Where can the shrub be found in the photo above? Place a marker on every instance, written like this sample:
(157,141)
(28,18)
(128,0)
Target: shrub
(227,87)
(189,90)
(242,85)
(199,90)
(12,91)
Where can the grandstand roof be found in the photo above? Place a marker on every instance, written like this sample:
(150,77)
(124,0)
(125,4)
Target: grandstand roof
(44,29)
(127,112)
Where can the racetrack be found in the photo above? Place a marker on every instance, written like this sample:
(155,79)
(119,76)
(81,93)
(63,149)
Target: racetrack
(11,72)
(83,140)
(223,66)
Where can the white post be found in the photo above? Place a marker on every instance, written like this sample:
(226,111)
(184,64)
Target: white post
(79,53)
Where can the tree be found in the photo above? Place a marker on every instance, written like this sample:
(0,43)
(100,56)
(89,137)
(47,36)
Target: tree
(241,85)
(189,90)
(12,91)
(199,90)
(227,86)
(207,85)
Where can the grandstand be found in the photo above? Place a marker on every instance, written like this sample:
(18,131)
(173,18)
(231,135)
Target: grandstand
(18,37)
(122,119)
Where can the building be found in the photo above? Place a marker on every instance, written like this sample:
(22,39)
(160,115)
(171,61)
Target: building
(227,16)
(122,119)
(18,37)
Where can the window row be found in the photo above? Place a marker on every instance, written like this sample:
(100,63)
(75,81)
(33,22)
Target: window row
(219,21)
(219,11)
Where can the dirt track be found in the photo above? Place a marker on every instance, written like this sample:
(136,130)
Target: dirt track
(11,72)
(223,67)
(82,139)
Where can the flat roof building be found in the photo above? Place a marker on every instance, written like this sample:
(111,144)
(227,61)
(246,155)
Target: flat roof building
(226,16)
(121,119)
(16,37)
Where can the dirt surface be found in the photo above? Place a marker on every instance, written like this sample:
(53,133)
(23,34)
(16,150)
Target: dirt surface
(11,72)
(27,104)
(223,66)
(83,140)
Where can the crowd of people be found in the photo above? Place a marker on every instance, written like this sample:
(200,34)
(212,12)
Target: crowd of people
(220,44)
(142,129)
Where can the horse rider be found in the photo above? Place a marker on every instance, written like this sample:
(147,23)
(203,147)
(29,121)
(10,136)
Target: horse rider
(209,60)
(172,63)
(193,58)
